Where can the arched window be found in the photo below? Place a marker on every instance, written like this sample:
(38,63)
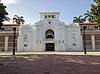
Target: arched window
(45,16)
(49,34)
(49,16)
(52,16)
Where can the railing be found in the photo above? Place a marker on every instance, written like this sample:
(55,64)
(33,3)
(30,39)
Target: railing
(49,39)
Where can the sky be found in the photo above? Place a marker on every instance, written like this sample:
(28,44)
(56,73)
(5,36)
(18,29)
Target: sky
(30,8)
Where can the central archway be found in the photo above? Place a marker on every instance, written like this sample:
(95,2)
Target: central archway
(49,34)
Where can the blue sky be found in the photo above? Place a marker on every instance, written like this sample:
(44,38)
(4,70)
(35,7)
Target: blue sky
(30,8)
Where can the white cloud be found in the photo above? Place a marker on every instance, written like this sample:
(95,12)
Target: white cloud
(9,2)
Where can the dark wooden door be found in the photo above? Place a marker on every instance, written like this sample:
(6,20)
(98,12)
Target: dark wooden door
(50,46)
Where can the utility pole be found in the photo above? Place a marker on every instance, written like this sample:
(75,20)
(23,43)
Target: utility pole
(14,37)
(84,39)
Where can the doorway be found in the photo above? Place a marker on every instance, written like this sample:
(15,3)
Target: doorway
(49,47)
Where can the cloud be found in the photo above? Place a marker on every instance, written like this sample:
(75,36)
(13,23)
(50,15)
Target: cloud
(9,2)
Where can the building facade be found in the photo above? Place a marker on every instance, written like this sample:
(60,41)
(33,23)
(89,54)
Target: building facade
(92,33)
(50,34)
(6,37)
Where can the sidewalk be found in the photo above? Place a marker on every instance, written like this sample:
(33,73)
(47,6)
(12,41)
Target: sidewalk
(59,53)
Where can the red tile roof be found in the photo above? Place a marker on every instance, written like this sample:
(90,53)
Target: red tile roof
(11,25)
(88,23)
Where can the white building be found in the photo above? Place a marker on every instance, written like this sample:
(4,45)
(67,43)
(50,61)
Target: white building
(49,34)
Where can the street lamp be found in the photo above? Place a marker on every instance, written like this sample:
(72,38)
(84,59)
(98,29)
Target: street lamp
(14,36)
(84,39)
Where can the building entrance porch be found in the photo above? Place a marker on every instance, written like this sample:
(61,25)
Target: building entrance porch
(49,47)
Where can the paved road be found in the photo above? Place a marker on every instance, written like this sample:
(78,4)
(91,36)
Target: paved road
(51,63)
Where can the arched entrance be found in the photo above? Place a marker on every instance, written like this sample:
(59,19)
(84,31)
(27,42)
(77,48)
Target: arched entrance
(49,36)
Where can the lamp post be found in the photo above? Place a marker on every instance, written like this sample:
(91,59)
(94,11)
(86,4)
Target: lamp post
(14,36)
(84,39)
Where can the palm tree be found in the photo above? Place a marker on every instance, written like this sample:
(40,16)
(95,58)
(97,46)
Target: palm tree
(89,16)
(97,1)
(18,20)
(95,10)
(78,19)
(3,14)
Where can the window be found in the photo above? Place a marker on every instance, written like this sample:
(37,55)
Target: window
(84,27)
(49,34)
(49,16)
(25,45)
(8,28)
(45,16)
(49,22)
(62,41)
(74,44)
(95,27)
(52,16)
(3,28)
(40,42)
(36,42)
(73,38)
(25,37)
(59,41)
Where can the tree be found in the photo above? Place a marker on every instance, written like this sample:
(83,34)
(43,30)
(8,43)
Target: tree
(89,16)
(78,19)
(3,14)
(18,20)
(95,10)
(96,1)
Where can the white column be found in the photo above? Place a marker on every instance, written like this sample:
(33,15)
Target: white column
(93,41)
(18,44)
(81,43)
(60,39)
(6,43)
(38,40)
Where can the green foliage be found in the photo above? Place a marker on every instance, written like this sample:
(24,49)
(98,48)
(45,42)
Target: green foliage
(96,1)
(95,10)
(18,20)
(89,16)
(78,19)
(3,14)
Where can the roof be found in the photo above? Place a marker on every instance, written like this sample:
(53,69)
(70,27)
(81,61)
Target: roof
(49,13)
(11,25)
(88,23)
(26,26)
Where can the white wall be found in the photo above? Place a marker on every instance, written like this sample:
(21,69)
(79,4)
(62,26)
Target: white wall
(65,36)
(26,39)
(74,38)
